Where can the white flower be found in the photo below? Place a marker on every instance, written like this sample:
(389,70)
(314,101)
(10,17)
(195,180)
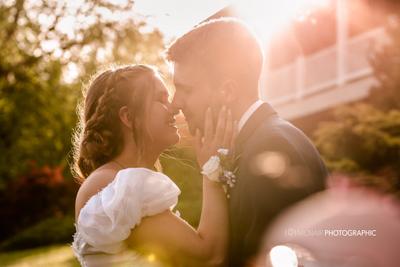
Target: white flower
(212,168)
(223,151)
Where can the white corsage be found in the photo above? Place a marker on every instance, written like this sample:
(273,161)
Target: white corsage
(212,169)
(220,168)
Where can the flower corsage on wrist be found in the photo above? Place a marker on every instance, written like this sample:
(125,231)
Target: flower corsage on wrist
(221,169)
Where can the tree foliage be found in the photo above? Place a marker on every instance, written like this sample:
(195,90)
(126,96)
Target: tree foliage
(363,140)
(47,49)
(43,44)
(386,65)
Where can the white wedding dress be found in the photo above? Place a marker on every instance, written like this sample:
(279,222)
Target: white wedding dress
(108,217)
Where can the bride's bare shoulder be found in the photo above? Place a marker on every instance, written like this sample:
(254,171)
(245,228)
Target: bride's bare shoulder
(94,183)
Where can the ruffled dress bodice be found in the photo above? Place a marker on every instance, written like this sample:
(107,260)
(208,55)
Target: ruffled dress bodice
(108,217)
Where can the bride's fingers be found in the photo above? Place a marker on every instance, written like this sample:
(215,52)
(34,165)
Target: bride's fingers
(208,126)
(228,131)
(221,125)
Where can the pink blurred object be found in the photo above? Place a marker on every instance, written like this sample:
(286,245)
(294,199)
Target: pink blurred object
(344,226)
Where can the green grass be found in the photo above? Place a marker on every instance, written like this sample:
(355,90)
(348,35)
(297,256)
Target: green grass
(57,256)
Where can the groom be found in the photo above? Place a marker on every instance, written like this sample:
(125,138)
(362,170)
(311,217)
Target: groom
(219,63)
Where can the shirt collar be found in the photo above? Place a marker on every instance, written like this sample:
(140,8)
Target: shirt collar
(246,115)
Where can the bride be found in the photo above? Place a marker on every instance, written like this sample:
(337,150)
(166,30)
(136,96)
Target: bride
(124,207)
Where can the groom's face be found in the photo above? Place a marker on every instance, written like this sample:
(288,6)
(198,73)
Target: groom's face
(193,95)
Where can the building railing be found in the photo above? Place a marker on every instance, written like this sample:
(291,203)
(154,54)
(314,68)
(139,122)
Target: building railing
(319,71)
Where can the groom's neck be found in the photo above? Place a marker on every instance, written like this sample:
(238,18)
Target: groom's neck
(241,106)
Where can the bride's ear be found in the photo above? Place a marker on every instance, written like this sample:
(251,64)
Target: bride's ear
(125,116)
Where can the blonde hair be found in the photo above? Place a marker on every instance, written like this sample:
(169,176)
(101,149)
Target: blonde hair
(98,135)
(225,47)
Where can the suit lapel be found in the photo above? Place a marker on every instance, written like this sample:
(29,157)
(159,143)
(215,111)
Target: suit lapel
(261,114)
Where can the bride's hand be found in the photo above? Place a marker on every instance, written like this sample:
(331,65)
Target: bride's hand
(222,137)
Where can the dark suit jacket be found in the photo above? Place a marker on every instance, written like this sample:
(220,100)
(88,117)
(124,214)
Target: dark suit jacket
(278,166)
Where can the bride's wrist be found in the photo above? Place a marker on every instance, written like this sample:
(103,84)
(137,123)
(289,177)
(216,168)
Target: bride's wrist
(219,168)
(211,169)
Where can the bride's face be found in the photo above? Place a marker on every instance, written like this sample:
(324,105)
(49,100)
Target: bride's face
(161,120)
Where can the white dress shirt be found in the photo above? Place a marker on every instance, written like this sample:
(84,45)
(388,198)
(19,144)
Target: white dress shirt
(246,115)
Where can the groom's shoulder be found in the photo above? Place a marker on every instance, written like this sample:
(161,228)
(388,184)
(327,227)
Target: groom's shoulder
(279,139)
(277,133)
(274,127)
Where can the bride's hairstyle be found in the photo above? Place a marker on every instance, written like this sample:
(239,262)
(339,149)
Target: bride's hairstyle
(98,136)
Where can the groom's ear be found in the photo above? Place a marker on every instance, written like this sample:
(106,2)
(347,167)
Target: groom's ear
(125,117)
(228,91)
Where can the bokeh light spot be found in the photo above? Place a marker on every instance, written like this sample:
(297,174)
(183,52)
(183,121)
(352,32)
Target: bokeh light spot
(283,256)
(271,164)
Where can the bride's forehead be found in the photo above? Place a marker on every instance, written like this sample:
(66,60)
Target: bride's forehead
(160,87)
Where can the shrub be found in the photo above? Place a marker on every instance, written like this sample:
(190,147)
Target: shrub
(363,140)
(49,231)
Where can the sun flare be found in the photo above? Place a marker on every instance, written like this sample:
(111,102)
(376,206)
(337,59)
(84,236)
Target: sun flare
(268,17)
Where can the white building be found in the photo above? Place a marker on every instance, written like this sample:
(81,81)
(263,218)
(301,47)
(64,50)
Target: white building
(331,75)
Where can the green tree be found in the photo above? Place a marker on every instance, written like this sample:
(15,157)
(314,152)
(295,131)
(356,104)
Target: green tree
(363,140)
(43,43)
(386,65)
(47,49)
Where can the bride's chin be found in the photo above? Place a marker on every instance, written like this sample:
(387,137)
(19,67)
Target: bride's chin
(172,139)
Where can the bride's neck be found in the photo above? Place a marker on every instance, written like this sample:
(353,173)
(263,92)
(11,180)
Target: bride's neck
(129,158)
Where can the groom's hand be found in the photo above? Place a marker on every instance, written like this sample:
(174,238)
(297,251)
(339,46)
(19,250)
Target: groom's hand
(222,136)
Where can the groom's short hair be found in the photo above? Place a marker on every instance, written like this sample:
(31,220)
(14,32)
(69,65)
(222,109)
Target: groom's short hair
(224,46)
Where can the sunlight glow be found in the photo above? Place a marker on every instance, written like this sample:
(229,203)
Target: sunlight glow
(72,73)
(175,17)
(49,45)
(269,16)
(151,258)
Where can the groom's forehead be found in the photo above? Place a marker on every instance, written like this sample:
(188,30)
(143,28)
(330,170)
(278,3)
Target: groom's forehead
(186,74)
(182,74)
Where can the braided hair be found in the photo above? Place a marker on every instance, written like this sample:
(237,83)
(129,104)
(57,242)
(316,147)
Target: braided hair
(98,136)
